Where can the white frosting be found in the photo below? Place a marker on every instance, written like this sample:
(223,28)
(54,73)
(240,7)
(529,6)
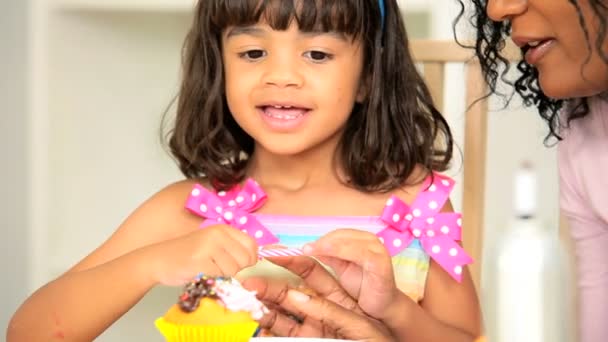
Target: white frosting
(237,298)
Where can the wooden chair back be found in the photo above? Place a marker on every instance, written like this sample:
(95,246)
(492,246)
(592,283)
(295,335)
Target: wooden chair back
(434,56)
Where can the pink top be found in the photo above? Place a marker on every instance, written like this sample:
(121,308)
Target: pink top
(583,168)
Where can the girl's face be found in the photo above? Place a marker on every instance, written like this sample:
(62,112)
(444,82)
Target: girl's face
(290,90)
(558,47)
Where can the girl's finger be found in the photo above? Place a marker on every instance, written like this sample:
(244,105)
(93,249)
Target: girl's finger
(246,242)
(210,268)
(227,264)
(242,255)
(340,268)
(368,254)
(327,244)
(342,234)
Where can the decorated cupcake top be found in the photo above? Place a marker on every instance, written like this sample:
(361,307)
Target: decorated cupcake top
(227,291)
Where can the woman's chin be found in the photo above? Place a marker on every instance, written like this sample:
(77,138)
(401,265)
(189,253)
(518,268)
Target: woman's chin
(560,88)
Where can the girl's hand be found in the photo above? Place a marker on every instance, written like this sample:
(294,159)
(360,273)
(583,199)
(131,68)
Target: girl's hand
(218,250)
(360,261)
(329,313)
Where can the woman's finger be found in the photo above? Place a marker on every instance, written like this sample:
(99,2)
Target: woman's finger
(283,323)
(267,289)
(348,245)
(370,255)
(317,278)
(345,323)
(283,320)
(280,324)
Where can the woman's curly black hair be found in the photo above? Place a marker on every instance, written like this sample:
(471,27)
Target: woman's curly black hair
(490,40)
(393,131)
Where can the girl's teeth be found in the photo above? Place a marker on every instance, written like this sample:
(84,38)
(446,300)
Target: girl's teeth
(534,44)
(284,112)
(288,117)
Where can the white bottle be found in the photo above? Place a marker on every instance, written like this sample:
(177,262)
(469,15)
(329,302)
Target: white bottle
(526,280)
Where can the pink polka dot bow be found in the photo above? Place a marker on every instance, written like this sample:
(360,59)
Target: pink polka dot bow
(233,208)
(437,232)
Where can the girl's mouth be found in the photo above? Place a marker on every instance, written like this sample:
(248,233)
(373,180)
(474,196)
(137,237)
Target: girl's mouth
(284,112)
(283,118)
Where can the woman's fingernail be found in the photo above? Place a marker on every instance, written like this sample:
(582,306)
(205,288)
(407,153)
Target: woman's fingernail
(307,249)
(298,296)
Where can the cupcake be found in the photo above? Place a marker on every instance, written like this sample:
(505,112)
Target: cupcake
(212,309)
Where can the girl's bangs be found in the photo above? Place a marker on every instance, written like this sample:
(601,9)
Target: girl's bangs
(341,16)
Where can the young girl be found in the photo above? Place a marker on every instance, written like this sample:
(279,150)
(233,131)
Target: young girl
(564,73)
(310,110)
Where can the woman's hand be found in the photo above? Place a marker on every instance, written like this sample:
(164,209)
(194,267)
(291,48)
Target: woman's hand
(218,250)
(360,261)
(331,313)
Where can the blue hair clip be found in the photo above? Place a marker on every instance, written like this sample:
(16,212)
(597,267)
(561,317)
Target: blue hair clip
(382,11)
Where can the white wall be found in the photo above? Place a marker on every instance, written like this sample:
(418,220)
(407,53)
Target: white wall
(113,75)
(13,153)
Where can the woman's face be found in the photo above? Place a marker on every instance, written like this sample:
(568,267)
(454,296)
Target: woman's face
(568,63)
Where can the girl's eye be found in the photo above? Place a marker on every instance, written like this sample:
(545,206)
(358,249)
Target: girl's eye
(253,54)
(318,56)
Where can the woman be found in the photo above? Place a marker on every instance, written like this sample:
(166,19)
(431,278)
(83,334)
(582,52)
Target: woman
(564,74)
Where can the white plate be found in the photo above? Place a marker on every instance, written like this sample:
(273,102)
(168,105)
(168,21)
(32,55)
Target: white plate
(295,339)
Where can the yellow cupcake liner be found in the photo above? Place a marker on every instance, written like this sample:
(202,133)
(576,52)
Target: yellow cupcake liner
(237,332)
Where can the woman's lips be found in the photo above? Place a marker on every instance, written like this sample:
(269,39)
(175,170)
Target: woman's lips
(535,51)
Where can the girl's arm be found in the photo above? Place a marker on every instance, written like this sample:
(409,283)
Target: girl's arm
(83,302)
(449,312)
(158,243)
(80,305)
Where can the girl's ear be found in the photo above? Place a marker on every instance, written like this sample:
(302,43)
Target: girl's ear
(363,91)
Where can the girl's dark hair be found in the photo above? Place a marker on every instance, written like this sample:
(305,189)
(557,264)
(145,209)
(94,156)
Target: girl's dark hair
(395,129)
(489,41)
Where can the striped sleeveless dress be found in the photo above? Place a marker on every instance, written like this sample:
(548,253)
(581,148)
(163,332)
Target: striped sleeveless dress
(410,266)
(431,231)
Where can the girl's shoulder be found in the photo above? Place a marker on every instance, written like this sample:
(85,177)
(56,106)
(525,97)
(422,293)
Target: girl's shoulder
(173,197)
(427,188)
(163,214)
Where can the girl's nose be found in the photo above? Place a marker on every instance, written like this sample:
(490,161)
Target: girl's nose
(283,72)
(501,10)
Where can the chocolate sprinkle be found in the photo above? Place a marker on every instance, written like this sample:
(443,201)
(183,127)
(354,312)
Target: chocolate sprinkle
(203,287)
